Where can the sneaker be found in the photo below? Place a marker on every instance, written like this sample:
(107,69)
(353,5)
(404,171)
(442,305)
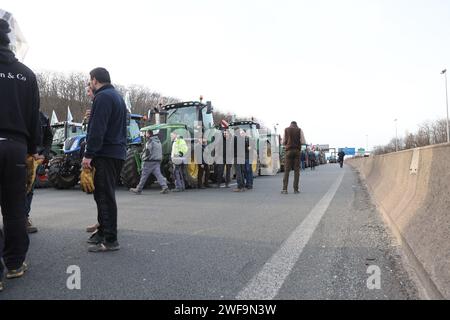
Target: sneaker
(92,228)
(176,190)
(165,191)
(135,191)
(11,274)
(30,227)
(296,192)
(104,247)
(95,238)
(249,188)
(284,192)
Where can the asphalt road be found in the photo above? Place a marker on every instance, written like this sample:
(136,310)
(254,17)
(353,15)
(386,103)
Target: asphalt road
(216,244)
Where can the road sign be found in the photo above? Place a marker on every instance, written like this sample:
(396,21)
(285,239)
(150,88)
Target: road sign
(348,151)
(361,151)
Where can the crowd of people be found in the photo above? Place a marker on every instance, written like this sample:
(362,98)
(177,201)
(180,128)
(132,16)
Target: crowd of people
(152,156)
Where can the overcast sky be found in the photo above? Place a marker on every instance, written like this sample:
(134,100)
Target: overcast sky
(344,70)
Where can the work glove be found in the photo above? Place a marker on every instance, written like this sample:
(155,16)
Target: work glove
(87,180)
(31,164)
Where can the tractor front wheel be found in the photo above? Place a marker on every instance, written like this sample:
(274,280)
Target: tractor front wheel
(56,178)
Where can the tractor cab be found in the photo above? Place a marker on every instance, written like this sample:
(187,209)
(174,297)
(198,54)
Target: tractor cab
(134,124)
(63,131)
(252,130)
(250,127)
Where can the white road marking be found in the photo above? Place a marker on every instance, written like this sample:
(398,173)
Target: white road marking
(266,284)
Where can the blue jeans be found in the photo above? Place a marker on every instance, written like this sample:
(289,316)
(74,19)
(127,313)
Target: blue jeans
(248,174)
(240,175)
(179,177)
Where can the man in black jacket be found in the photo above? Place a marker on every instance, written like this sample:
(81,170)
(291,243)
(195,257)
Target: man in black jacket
(43,149)
(227,150)
(106,152)
(19,136)
(241,146)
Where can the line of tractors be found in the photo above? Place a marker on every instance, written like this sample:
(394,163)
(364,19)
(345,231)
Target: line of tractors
(189,119)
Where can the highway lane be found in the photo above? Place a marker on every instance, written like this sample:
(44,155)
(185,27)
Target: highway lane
(216,244)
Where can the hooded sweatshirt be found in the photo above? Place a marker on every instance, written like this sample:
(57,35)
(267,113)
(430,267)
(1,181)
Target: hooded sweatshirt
(19,102)
(153,150)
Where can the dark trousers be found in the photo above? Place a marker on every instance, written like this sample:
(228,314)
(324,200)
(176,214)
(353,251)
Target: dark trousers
(107,171)
(203,175)
(220,170)
(292,160)
(14,240)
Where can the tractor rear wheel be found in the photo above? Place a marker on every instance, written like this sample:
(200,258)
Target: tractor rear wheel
(130,175)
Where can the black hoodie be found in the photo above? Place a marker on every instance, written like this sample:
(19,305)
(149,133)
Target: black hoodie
(19,101)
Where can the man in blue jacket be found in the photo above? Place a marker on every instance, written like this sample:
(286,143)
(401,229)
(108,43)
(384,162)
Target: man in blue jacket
(106,152)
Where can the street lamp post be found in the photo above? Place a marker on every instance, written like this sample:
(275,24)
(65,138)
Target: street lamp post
(396,136)
(444,72)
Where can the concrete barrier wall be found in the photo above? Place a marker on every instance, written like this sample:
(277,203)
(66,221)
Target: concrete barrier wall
(417,205)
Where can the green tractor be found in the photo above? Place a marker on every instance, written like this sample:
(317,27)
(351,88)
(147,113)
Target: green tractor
(189,119)
(267,152)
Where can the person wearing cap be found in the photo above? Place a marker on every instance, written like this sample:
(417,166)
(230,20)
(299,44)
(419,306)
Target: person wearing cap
(19,136)
(151,163)
(106,149)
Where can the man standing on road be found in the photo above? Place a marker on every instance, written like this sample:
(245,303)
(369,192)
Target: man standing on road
(303,159)
(227,148)
(203,167)
(248,164)
(105,152)
(312,159)
(19,136)
(43,149)
(178,158)
(293,140)
(151,163)
(341,156)
(240,145)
